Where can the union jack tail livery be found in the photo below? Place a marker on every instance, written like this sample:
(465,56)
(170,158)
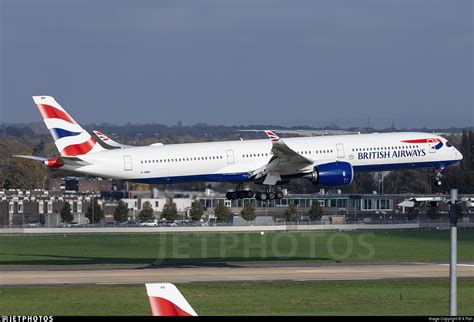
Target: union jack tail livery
(70,138)
(166,300)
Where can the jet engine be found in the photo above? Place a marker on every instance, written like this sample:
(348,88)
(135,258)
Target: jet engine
(337,173)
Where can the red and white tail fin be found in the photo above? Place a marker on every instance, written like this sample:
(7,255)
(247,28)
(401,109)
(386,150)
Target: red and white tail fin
(166,300)
(70,138)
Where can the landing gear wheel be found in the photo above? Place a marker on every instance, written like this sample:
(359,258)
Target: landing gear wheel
(239,194)
(271,195)
(263,196)
(279,195)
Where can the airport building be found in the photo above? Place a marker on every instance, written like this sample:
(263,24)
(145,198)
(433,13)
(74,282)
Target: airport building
(43,207)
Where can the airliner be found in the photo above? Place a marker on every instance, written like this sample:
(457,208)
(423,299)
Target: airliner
(324,160)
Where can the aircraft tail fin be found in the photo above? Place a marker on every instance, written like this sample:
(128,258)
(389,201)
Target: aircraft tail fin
(70,138)
(166,300)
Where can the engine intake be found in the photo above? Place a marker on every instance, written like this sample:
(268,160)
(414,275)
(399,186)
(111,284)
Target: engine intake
(337,173)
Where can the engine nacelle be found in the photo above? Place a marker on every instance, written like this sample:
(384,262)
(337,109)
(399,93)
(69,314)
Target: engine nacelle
(337,173)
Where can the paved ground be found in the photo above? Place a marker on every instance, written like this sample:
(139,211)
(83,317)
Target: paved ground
(237,273)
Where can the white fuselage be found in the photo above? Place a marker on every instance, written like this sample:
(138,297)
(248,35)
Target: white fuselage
(233,161)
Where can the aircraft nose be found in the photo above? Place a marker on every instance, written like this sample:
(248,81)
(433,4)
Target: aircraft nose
(458,155)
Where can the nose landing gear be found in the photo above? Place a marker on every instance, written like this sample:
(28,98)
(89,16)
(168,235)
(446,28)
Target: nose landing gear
(439,172)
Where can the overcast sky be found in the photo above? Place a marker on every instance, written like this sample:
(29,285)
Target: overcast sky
(407,62)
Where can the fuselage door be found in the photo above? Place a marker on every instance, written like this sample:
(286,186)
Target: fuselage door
(431,145)
(127,163)
(230,156)
(340,150)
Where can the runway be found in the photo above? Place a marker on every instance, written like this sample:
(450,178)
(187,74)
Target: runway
(237,273)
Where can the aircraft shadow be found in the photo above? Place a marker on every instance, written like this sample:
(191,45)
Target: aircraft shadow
(62,260)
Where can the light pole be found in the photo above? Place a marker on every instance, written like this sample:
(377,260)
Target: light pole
(453,220)
(93,206)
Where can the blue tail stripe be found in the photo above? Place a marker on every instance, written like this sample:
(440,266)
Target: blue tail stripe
(59,133)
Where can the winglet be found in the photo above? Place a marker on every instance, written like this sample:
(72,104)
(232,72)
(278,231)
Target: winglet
(166,300)
(105,141)
(272,136)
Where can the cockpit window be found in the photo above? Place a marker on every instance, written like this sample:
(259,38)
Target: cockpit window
(448,144)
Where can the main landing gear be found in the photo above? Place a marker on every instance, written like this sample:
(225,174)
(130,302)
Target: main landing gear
(247,194)
(269,195)
(239,194)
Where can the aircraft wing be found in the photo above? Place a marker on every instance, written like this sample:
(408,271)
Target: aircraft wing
(109,144)
(285,161)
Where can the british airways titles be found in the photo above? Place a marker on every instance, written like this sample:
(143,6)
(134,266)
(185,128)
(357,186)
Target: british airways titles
(391,154)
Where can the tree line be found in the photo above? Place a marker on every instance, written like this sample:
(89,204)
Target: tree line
(222,213)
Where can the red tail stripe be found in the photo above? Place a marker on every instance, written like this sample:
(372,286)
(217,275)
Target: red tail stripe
(162,307)
(50,112)
(78,149)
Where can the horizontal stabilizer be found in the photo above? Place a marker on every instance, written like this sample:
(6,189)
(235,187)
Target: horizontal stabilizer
(31,157)
(56,162)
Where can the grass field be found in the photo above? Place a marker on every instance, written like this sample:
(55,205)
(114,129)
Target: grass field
(221,248)
(382,297)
